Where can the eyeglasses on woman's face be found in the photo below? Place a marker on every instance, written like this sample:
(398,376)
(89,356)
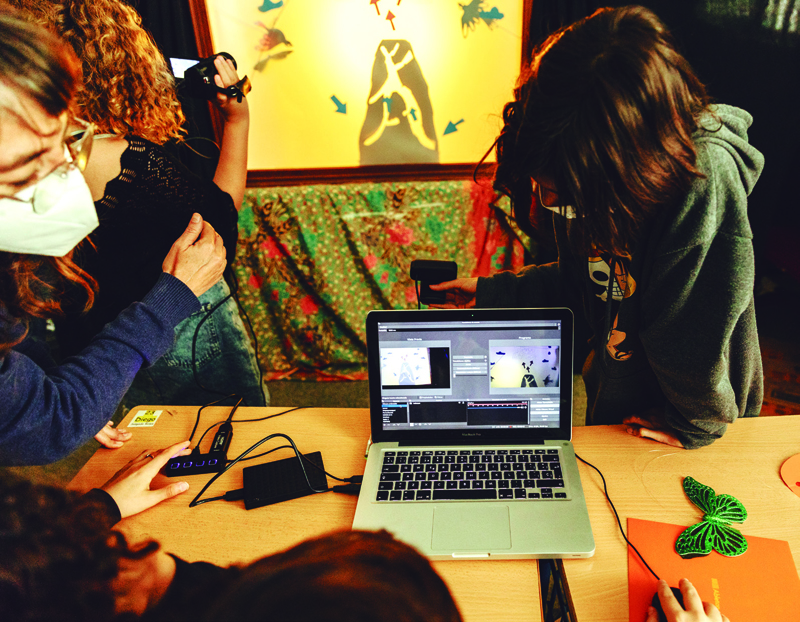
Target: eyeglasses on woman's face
(76,143)
(548,199)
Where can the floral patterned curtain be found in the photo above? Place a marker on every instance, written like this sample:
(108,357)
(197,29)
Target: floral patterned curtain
(313,260)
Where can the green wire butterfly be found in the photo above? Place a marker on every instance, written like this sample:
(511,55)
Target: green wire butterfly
(714,531)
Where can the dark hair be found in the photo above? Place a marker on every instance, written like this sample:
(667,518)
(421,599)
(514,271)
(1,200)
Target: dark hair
(606,112)
(37,64)
(58,554)
(352,576)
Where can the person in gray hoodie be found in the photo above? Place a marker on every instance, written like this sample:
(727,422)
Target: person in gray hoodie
(611,129)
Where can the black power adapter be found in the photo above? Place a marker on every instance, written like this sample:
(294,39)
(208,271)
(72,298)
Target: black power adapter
(282,480)
(196,463)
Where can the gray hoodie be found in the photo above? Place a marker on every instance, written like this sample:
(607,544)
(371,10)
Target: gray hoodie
(678,332)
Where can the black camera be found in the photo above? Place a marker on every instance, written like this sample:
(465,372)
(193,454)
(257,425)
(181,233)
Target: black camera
(429,272)
(196,78)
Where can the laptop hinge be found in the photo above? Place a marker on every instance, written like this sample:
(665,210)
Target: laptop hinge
(472,441)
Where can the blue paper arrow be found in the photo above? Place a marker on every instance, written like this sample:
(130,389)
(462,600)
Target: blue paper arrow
(413,111)
(340,107)
(451,127)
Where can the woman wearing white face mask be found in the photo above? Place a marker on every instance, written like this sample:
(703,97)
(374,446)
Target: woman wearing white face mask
(142,192)
(46,411)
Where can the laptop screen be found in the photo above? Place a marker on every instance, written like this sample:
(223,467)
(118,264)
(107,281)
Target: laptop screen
(487,370)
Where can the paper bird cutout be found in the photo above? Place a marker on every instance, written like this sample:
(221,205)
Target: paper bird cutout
(714,531)
(269,5)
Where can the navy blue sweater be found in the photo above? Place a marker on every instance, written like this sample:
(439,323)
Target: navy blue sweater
(48,410)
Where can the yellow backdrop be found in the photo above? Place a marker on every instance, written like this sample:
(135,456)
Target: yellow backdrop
(311,66)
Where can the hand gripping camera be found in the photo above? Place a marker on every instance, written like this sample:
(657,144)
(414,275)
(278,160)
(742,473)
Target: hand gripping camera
(196,78)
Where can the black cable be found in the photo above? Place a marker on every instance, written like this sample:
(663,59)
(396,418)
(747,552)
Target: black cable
(194,346)
(316,466)
(288,410)
(211,427)
(235,292)
(319,468)
(196,500)
(265,453)
(214,425)
(197,420)
(220,498)
(233,285)
(234,409)
(619,522)
(416,285)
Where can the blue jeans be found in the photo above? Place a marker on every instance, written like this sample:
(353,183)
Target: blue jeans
(225,361)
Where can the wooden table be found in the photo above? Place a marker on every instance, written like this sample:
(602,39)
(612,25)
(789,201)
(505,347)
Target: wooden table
(224,532)
(645,481)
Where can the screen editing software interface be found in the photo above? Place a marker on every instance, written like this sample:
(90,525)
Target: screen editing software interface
(471,374)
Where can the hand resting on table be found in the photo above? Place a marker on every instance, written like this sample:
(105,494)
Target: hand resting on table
(112,437)
(130,486)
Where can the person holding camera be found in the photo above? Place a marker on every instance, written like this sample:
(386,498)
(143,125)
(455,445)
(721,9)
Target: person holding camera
(46,209)
(611,129)
(143,195)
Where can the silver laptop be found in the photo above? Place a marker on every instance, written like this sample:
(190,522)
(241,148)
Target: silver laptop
(471,420)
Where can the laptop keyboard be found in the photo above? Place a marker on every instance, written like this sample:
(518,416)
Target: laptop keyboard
(476,474)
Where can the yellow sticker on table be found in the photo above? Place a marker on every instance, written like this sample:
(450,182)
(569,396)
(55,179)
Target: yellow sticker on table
(145,419)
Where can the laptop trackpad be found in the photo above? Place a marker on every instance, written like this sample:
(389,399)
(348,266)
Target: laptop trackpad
(478,527)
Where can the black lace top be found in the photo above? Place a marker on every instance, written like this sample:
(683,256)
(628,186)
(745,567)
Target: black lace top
(143,212)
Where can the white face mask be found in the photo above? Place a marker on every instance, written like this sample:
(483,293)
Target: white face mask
(50,217)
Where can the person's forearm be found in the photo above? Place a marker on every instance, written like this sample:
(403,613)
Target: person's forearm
(532,286)
(46,414)
(231,174)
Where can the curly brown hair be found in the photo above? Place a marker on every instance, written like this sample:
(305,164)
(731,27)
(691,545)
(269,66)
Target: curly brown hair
(127,86)
(58,554)
(34,286)
(605,112)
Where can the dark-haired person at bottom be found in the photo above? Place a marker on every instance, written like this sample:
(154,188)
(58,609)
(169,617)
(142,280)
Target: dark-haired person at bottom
(61,560)
(345,576)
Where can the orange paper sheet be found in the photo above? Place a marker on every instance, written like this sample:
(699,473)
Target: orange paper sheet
(760,586)
(790,473)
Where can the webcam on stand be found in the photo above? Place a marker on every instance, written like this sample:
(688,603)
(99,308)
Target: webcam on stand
(427,272)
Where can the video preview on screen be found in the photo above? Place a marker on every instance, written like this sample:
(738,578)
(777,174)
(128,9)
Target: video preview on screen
(417,367)
(524,367)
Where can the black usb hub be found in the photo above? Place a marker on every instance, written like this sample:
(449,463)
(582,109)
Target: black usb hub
(195,464)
